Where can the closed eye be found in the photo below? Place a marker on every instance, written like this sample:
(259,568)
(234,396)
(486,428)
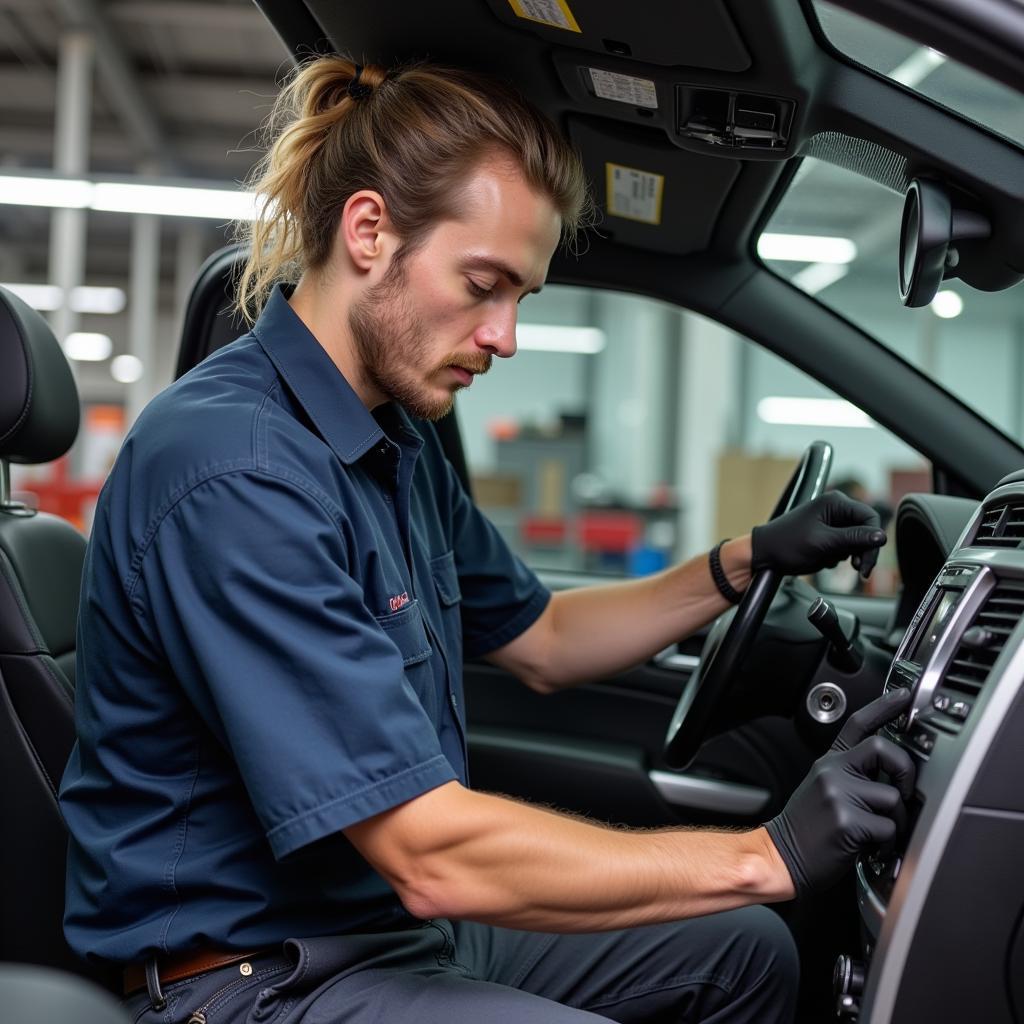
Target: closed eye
(477,291)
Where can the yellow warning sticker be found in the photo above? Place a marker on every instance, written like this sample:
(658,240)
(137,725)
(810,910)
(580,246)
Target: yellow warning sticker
(634,194)
(555,13)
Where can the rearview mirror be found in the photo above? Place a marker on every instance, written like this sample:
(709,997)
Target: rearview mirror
(930,225)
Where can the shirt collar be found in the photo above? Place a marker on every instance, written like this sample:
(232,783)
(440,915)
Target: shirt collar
(319,386)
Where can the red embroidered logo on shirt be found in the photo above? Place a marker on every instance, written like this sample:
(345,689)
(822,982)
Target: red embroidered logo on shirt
(399,601)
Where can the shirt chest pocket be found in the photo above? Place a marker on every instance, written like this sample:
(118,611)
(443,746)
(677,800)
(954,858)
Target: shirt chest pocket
(449,598)
(405,629)
(446,579)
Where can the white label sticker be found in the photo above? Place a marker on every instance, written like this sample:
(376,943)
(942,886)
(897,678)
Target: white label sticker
(637,92)
(555,13)
(634,194)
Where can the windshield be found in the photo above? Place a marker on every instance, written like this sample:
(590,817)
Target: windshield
(924,70)
(835,235)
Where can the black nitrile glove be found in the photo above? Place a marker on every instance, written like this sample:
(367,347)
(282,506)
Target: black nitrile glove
(819,535)
(840,810)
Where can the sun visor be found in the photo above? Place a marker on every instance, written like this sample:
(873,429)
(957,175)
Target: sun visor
(701,35)
(652,194)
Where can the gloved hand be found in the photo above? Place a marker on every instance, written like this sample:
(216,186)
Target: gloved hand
(840,810)
(819,535)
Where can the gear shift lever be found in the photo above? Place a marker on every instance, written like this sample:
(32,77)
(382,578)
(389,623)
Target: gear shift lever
(822,616)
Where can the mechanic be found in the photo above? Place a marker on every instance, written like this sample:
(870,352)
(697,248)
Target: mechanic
(268,801)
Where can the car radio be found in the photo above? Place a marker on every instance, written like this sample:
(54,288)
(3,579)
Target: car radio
(952,874)
(940,651)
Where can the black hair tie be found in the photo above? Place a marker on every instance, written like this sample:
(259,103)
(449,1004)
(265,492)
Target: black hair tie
(358,90)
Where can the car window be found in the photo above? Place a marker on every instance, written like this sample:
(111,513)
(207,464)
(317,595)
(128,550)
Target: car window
(927,72)
(836,234)
(627,434)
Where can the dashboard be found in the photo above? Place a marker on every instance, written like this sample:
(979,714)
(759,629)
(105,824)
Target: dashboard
(942,907)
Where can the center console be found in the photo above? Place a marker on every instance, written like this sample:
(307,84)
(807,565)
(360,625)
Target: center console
(942,907)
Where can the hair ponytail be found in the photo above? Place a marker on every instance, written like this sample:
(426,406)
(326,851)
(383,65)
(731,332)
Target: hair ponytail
(412,134)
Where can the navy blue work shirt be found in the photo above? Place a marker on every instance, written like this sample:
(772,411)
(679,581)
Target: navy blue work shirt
(279,591)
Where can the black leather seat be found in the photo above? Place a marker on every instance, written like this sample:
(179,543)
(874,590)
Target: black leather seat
(40,573)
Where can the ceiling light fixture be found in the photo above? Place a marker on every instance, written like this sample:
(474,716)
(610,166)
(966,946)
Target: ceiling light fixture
(88,347)
(812,412)
(947,304)
(174,201)
(72,193)
(917,67)
(84,299)
(818,276)
(806,248)
(165,199)
(558,338)
(127,369)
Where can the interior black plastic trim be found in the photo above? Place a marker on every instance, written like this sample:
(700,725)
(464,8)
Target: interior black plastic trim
(296,27)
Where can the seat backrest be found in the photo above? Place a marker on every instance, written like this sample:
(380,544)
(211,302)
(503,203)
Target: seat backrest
(41,560)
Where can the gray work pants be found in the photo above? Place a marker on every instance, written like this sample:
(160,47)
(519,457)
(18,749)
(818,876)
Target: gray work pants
(730,967)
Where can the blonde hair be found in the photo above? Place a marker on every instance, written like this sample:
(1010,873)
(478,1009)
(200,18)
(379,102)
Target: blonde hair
(413,135)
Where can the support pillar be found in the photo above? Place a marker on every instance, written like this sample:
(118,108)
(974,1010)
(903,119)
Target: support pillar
(708,407)
(71,158)
(142,311)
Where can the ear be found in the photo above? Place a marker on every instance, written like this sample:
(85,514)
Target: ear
(363,228)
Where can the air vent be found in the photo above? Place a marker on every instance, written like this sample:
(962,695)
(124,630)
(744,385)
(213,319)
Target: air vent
(984,641)
(1001,526)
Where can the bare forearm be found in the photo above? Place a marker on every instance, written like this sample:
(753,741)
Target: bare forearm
(598,631)
(511,864)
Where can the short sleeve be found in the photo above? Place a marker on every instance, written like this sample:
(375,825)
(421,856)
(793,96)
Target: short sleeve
(246,589)
(501,596)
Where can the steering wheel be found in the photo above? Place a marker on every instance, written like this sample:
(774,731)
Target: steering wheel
(730,638)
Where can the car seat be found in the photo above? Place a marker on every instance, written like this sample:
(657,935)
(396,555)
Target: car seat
(41,559)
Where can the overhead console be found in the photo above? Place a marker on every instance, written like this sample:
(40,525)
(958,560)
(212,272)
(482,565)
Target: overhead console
(737,120)
(943,906)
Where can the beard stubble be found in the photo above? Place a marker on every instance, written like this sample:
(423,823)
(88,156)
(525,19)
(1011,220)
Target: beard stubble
(393,346)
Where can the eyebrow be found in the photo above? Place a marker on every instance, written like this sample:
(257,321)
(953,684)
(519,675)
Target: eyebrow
(498,267)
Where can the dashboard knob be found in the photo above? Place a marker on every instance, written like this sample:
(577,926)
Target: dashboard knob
(977,637)
(848,977)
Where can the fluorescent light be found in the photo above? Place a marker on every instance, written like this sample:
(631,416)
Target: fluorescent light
(87,347)
(174,201)
(557,338)
(44,297)
(129,197)
(806,248)
(126,369)
(66,192)
(917,67)
(84,299)
(90,299)
(947,304)
(812,412)
(818,276)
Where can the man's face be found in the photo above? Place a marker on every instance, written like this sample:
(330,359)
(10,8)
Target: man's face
(439,316)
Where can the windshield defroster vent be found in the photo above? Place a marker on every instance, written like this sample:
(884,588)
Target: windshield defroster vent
(1001,526)
(984,641)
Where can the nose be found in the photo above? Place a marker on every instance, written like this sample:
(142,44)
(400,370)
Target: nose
(498,336)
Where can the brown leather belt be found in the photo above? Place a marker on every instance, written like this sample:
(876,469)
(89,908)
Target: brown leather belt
(184,965)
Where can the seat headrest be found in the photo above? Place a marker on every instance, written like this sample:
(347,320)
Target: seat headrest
(39,411)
